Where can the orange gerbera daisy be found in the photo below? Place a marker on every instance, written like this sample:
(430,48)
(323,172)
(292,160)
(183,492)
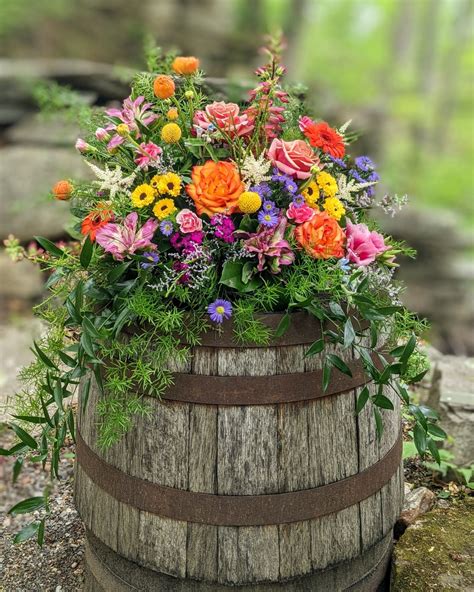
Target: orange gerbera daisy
(96,219)
(322,136)
(185,65)
(163,86)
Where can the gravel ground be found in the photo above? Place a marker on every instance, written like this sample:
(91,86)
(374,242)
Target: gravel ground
(58,566)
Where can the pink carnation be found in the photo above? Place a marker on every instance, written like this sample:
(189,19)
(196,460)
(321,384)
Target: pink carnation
(299,214)
(363,245)
(188,221)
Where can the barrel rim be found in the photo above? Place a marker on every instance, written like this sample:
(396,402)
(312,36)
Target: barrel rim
(238,510)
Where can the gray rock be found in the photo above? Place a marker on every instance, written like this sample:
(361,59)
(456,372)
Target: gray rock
(15,343)
(27,174)
(417,502)
(36,129)
(20,279)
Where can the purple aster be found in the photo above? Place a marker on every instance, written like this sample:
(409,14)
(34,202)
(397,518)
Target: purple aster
(337,161)
(166,227)
(153,258)
(219,310)
(299,200)
(291,186)
(268,206)
(263,189)
(364,163)
(268,218)
(355,175)
(279,176)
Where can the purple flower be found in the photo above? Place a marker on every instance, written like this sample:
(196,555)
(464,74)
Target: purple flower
(279,176)
(337,161)
(356,176)
(166,227)
(270,246)
(219,310)
(153,258)
(291,186)
(224,228)
(364,163)
(124,239)
(186,243)
(268,206)
(263,189)
(268,218)
(180,268)
(299,201)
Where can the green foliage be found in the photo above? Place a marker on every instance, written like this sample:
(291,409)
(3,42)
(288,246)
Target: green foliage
(248,328)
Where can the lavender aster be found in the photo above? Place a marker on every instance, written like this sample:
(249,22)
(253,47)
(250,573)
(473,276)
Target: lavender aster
(268,218)
(166,227)
(268,206)
(263,189)
(364,163)
(299,200)
(219,310)
(291,186)
(153,258)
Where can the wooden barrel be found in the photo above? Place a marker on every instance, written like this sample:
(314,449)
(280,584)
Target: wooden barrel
(246,475)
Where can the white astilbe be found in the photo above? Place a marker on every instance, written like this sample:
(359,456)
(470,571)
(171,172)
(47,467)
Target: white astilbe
(111,180)
(342,129)
(254,170)
(346,188)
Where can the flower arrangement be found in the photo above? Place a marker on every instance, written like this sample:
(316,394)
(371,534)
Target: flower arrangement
(204,211)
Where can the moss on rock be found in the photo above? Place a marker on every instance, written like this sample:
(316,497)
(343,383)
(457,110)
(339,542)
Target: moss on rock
(436,553)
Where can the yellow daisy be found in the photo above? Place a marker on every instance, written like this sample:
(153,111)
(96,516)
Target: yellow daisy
(327,183)
(169,184)
(164,208)
(334,207)
(154,182)
(143,195)
(311,194)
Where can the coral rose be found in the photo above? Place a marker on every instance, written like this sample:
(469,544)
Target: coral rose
(293,158)
(163,87)
(226,116)
(321,237)
(185,65)
(216,188)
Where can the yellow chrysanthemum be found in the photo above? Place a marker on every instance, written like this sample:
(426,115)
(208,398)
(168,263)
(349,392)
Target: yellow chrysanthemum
(327,183)
(171,133)
(143,195)
(311,194)
(169,184)
(164,208)
(334,207)
(249,202)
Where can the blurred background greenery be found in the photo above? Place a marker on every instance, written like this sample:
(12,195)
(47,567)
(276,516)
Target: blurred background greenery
(402,70)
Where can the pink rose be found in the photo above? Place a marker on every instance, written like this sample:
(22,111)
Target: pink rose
(363,245)
(299,214)
(293,158)
(188,221)
(226,116)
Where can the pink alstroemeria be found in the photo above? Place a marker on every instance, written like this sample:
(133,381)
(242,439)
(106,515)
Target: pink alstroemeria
(148,154)
(133,112)
(124,239)
(270,246)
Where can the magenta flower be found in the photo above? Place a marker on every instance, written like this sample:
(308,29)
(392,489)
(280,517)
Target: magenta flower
(363,246)
(148,154)
(133,112)
(270,246)
(124,239)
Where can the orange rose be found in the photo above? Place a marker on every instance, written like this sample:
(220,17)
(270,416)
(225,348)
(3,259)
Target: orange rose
(163,87)
(216,188)
(185,65)
(62,190)
(321,236)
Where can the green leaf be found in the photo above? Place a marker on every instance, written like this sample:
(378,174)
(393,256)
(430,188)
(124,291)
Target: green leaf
(409,450)
(43,357)
(68,360)
(71,424)
(283,325)
(117,272)
(418,377)
(339,364)
(315,348)
(374,335)
(419,437)
(231,276)
(29,531)
(31,418)
(87,344)
(40,537)
(28,505)
(404,394)
(24,436)
(378,422)
(397,351)
(434,450)
(89,327)
(86,253)
(326,375)
(436,431)
(362,399)
(382,401)
(349,333)
(388,310)
(247,272)
(49,246)
(336,310)
(58,395)
(407,351)
(17,466)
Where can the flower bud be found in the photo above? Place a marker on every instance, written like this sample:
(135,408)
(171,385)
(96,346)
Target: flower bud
(122,130)
(189,94)
(102,134)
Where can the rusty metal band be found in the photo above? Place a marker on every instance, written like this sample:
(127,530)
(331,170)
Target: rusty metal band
(238,510)
(264,390)
(304,329)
